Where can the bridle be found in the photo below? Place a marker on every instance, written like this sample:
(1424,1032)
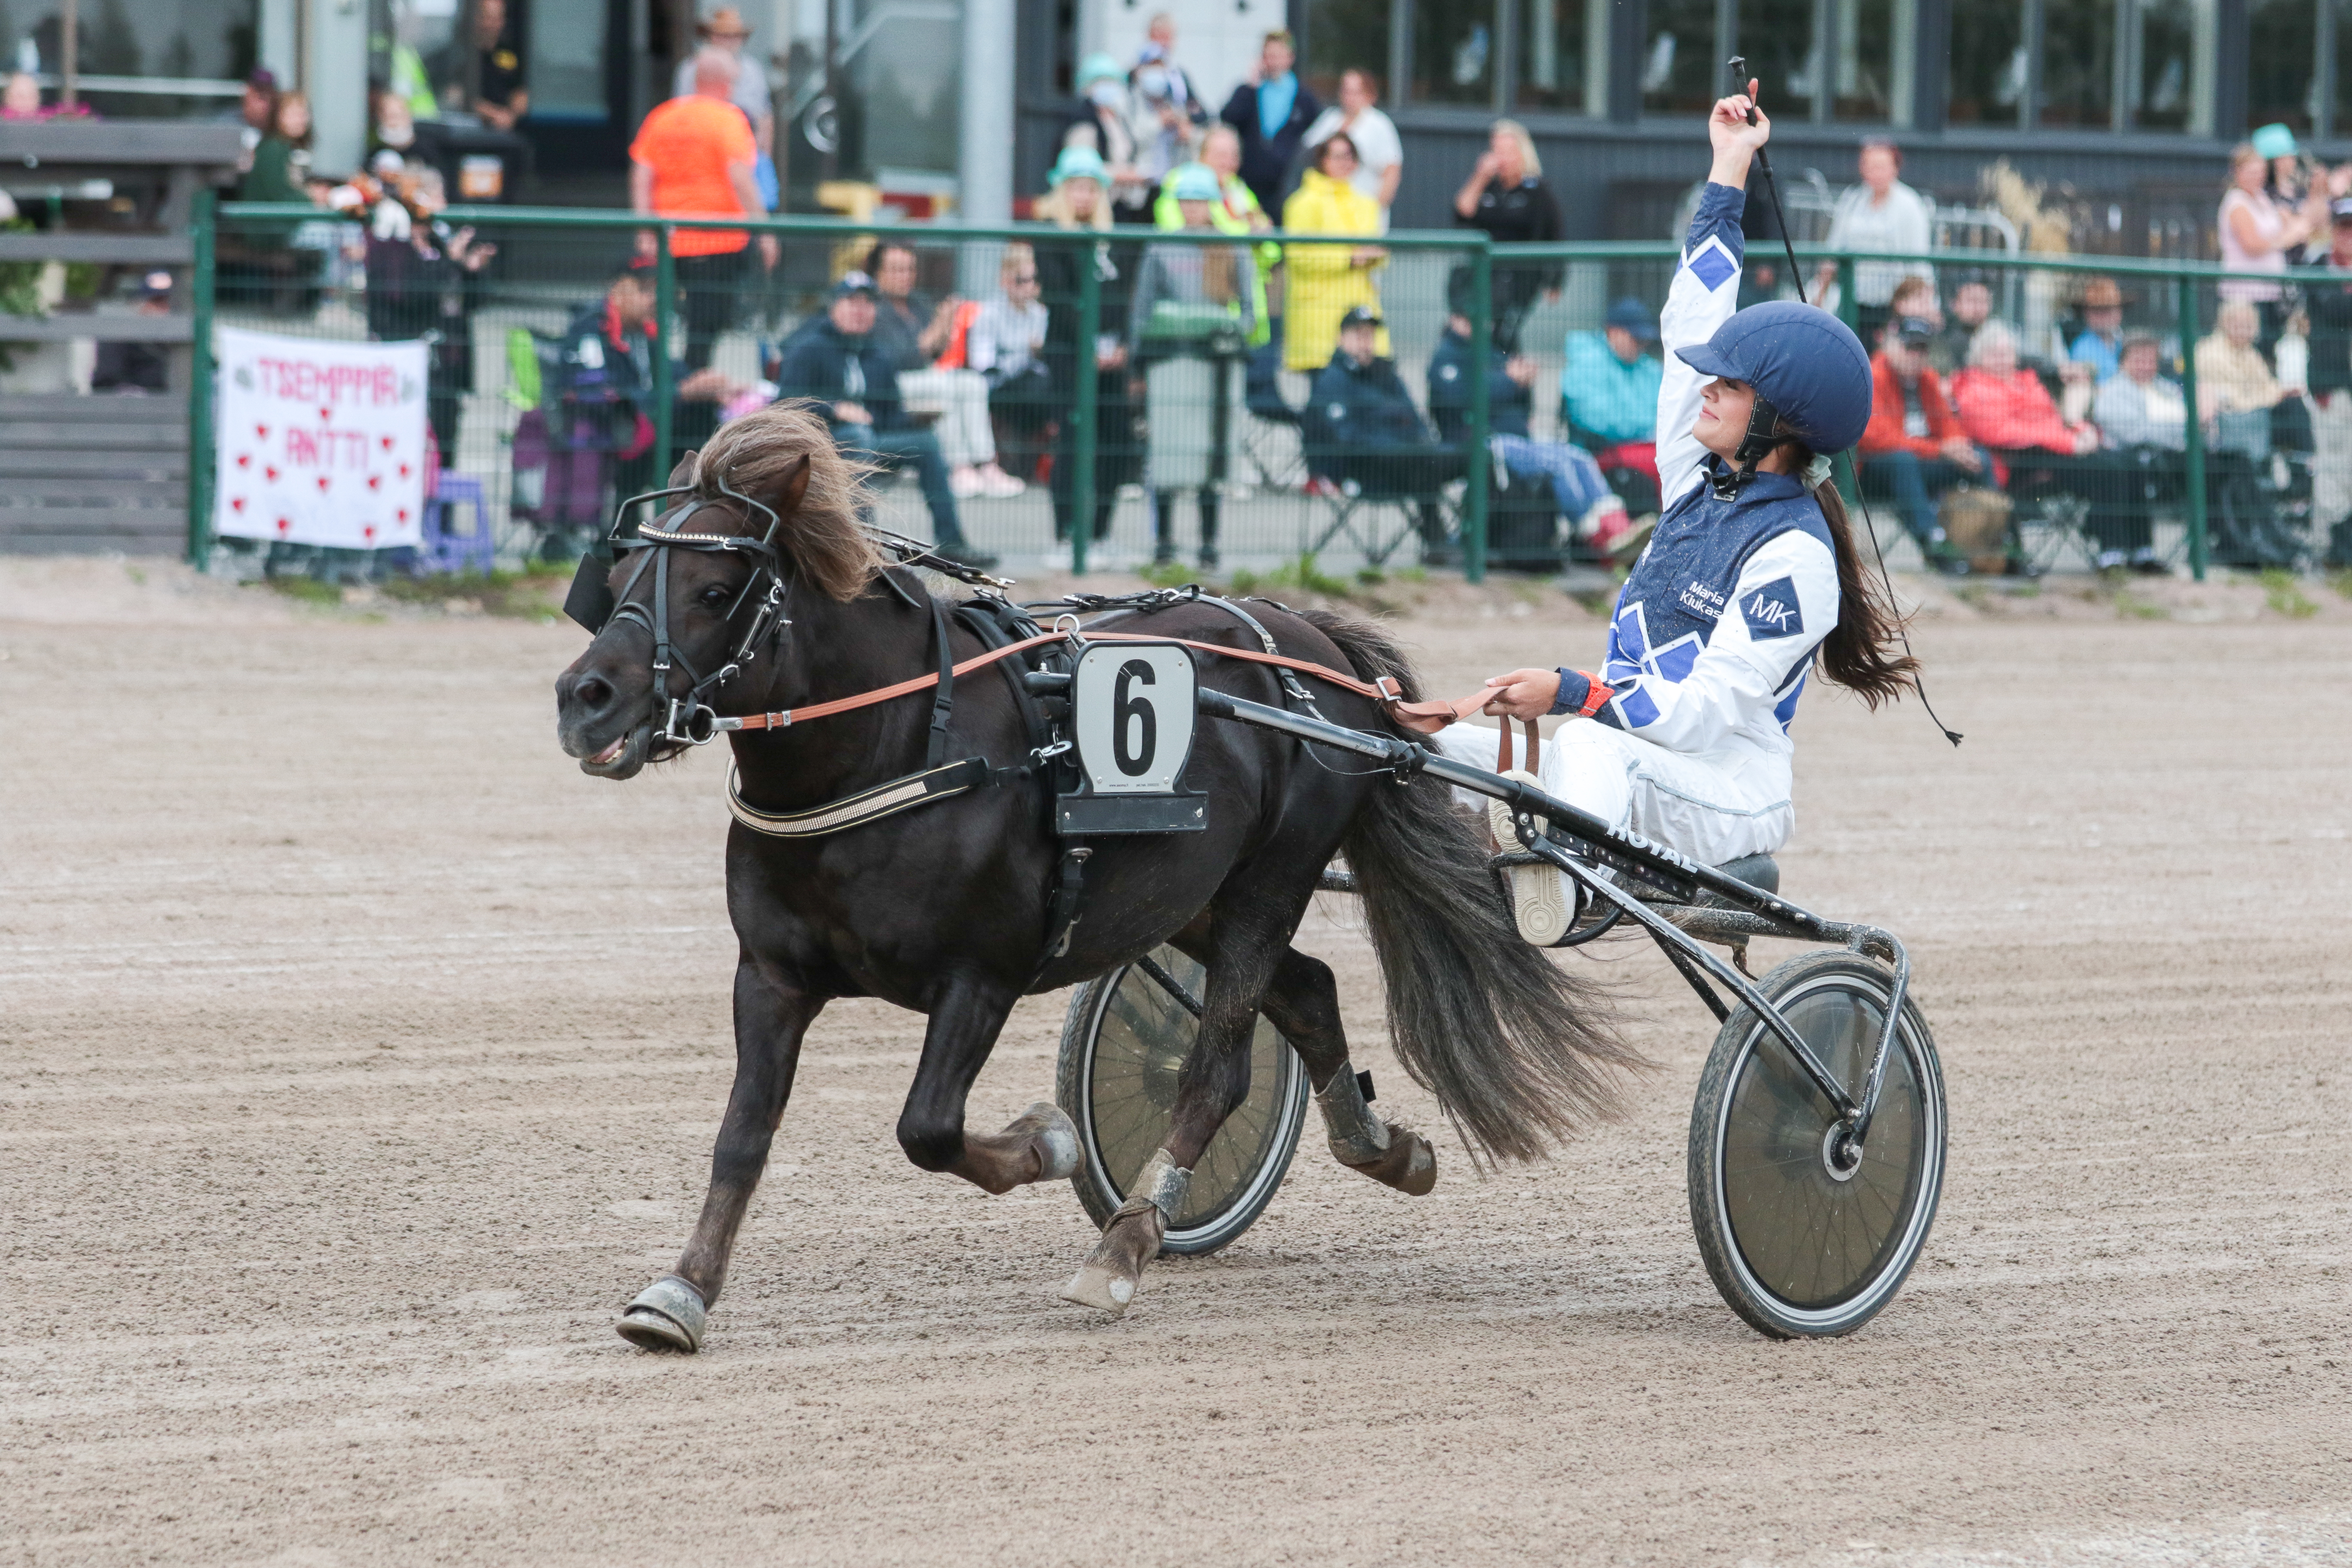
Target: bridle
(688,719)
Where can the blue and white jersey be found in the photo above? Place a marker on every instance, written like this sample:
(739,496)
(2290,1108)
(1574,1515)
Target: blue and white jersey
(1714,632)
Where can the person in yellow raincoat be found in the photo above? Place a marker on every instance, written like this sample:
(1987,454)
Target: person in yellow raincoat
(1325,281)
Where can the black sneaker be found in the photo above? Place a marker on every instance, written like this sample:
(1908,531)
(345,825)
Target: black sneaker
(2148,564)
(1209,559)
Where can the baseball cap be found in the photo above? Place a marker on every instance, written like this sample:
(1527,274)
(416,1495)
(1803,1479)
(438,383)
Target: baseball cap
(156,284)
(854,283)
(2340,209)
(1634,317)
(1194,183)
(1915,330)
(1078,164)
(2274,141)
(1098,67)
(1360,316)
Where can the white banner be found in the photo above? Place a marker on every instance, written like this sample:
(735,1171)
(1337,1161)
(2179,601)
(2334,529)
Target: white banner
(320,442)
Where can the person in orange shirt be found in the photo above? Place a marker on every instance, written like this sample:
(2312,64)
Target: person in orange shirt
(694,157)
(1914,449)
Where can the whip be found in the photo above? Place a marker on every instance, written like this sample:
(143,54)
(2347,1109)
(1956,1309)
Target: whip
(1737,65)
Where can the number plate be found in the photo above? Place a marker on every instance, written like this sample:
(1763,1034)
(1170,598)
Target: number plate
(1132,717)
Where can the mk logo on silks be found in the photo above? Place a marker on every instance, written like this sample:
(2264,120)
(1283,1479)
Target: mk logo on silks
(1772,611)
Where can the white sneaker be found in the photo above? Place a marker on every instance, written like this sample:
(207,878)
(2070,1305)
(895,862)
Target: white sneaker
(1543,898)
(964,483)
(995,481)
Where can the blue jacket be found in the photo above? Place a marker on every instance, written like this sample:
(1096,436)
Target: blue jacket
(1362,408)
(1508,404)
(823,363)
(1714,632)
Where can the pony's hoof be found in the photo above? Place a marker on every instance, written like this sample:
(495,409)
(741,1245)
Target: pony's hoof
(667,1315)
(1101,1287)
(1408,1164)
(1056,1137)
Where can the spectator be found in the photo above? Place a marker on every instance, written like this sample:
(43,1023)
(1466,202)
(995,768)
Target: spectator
(2004,408)
(257,106)
(853,380)
(2256,413)
(2330,372)
(2145,421)
(1380,152)
(1576,480)
(2099,344)
(1916,298)
(1080,201)
(694,157)
(1005,346)
(591,437)
(21,99)
(1271,109)
(1880,214)
(421,282)
(1102,127)
(726,29)
(1608,390)
(1506,196)
(484,72)
(1159,54)
(1326,281)
(1165,117)
(2287,178)
(2256,235)
(282,163)
(1971,307)
(1360,427)
(915,331)
(1914,448)
(1235,212)
(137,367)
(1192,303)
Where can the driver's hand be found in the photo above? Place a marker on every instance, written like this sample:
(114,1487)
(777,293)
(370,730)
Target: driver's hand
(1522,694)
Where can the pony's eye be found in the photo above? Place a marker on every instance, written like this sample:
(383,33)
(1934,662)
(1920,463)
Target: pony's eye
(714,595)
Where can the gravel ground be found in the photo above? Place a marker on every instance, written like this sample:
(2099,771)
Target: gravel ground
(362,1057)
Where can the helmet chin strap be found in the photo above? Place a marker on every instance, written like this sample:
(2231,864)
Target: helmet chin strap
(1761,435)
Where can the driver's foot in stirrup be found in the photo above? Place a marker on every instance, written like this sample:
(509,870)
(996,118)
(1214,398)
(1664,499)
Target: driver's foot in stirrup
(1544,899)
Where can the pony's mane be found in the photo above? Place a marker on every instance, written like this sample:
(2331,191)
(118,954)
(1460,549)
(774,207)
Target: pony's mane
(823,536)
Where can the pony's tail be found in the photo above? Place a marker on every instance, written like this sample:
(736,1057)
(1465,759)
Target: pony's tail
(1519,1052)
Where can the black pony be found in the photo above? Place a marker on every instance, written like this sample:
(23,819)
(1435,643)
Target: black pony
(946,910)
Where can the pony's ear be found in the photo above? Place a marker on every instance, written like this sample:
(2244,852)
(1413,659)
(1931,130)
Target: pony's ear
(789,494)
(683,474)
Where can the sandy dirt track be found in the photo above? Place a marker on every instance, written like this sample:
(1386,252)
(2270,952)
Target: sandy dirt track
(359,1057)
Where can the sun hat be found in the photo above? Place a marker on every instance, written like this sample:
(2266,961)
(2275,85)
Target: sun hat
(1078,164)
(1194,183)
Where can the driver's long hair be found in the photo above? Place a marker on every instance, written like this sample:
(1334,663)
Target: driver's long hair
(1864,652)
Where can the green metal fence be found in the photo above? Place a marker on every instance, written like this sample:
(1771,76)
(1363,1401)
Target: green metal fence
(1130,423)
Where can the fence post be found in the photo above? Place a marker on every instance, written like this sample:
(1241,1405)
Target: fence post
(1085,433)
(200,382)
(1849,308)
(1482,336)
(669,319)
(2193,428)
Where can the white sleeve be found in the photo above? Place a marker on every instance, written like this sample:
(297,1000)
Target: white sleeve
(1748,677)
(1705,291)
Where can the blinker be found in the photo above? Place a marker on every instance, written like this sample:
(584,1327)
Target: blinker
(590,601)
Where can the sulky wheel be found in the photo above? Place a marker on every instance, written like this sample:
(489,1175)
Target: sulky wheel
(1798,1245)
(1122,1046)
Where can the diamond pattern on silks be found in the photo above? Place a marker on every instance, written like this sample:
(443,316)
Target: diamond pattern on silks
(1712,263)
(1772,611)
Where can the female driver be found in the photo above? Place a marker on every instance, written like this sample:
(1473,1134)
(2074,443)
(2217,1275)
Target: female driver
(1750,579)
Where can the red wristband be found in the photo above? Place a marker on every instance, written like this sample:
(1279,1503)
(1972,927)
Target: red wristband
(1596,695)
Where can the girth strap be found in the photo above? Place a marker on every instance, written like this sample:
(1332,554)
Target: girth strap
(866,805)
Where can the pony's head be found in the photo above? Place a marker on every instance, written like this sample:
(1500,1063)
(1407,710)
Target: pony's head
(766,513)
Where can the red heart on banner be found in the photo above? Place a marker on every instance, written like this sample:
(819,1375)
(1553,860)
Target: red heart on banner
(271,471)
(322,484)
(375,481)
(404,470)
(237,503)
(402,514)
(244,459)
(283,525)
(325,415)
(261,432)
(368,532)
(387,442)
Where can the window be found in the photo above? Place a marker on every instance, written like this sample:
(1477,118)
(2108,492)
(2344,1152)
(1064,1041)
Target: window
(1682,68)
(2282,64)
(1453,52)
(1561,42)
(2164,86)
(2078,63)
(1783,54)
(1985,82)
(566,64)
(202,44)
(1874,36)
(1343,35)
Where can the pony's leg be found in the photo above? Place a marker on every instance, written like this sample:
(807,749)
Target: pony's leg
(1041,1144)
(1242,951)
(1304,1004)
(771,1014)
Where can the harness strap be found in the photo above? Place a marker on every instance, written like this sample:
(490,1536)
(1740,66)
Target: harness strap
(867,805)
(1503,751)
(942,705)
(1385,690)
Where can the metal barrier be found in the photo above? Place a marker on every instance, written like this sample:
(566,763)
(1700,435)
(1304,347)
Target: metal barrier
(1129,410)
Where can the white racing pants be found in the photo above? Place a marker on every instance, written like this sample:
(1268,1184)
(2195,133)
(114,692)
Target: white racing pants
(1713,808)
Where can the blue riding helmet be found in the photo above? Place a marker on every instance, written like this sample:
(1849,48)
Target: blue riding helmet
(1803,361)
